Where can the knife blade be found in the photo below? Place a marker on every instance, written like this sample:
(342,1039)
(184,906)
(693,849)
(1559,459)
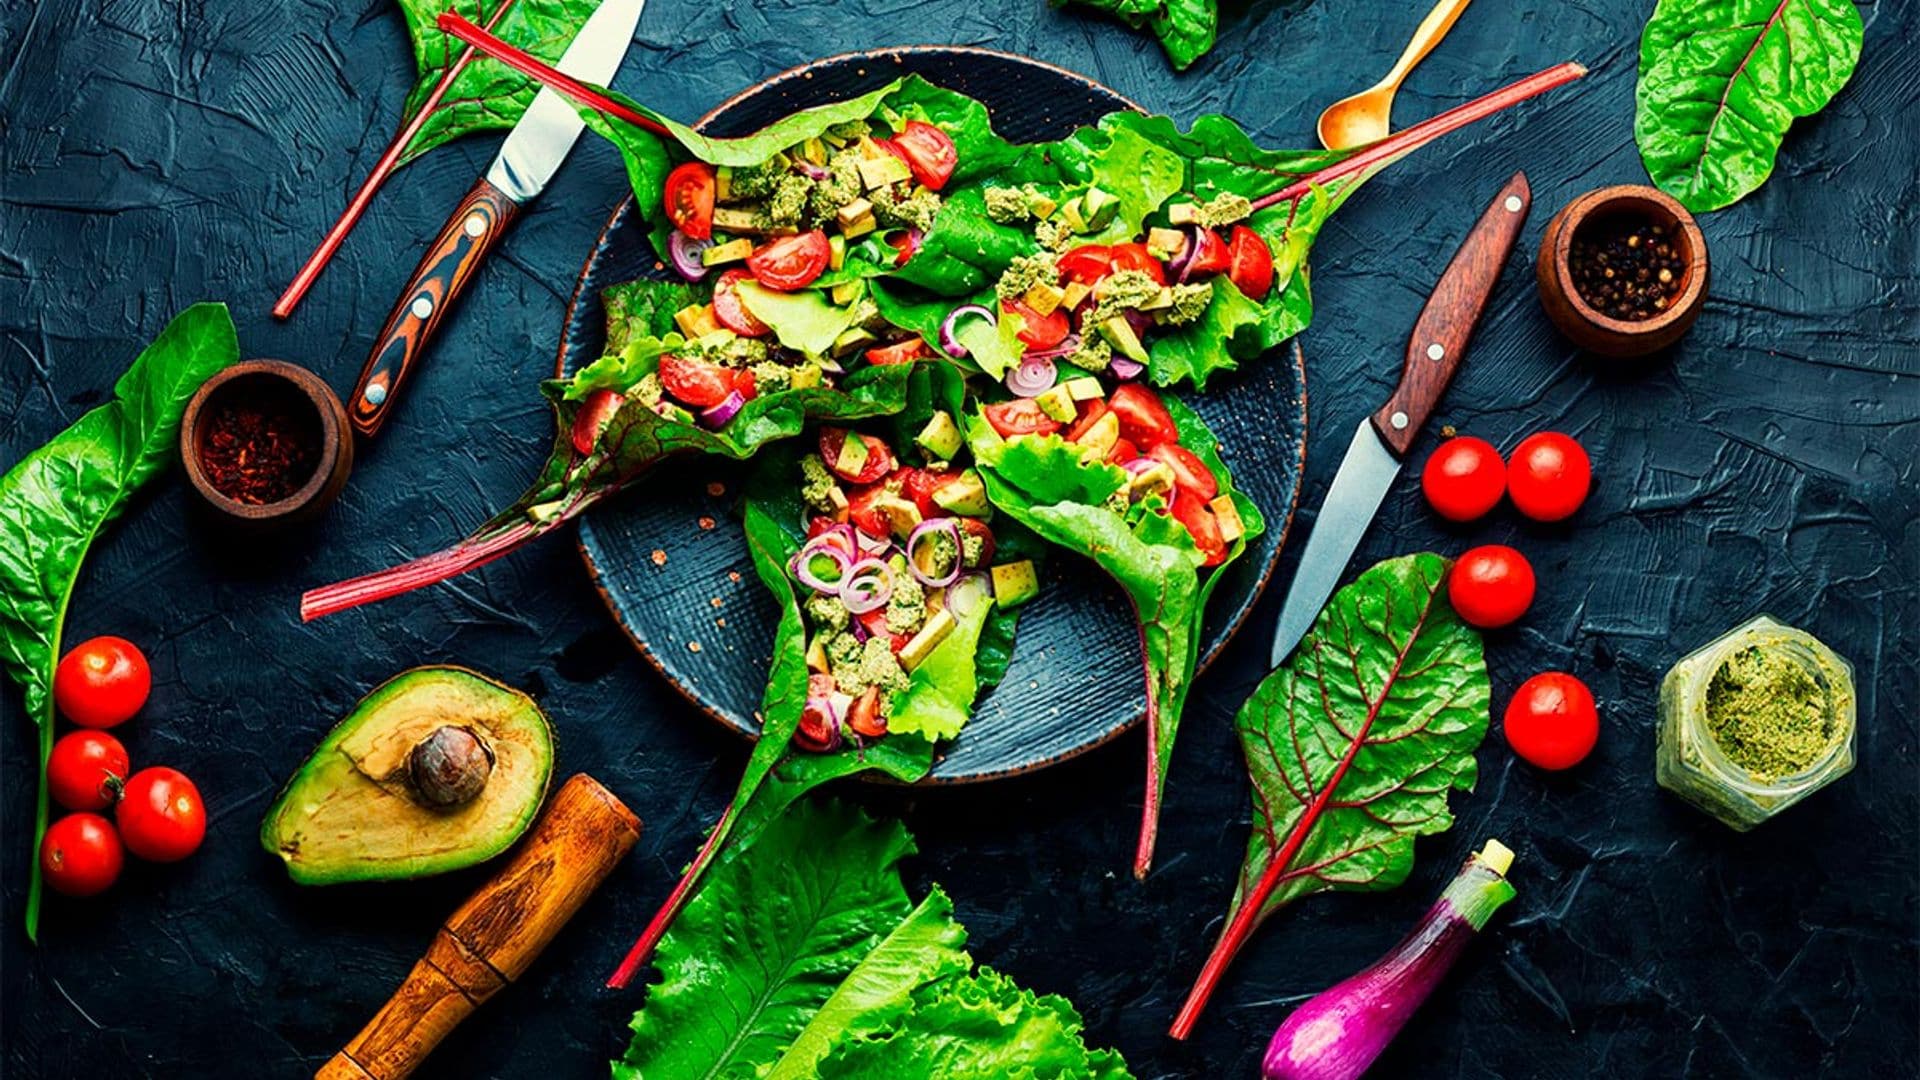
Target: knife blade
(1381,442)
(528,159)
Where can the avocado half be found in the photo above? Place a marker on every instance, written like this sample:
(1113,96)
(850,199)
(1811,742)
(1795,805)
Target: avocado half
(363,809)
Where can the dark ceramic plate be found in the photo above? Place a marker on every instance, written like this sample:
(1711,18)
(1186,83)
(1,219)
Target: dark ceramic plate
(672,564)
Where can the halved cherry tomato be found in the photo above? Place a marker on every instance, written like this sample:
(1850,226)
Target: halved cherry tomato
(730,312)
(791,262)
(102,682)
(1091,410)
(85,769)
(866,516)
(1123,451)
(594,415)
(893,148)
(1144,421)
(81,855)
(875,623)
(1190,474)
(900,352)
(864,718)
(1249,263)
(1021,416)
(1190,510)
(695,382)
(879,460)
(929,153)
(1137,257)
(1087,263)
(819,526)
(744,382)
(1038,331)
(1211,257)
(918,485)
(978,528)
(816,731)
(904,245)
(690,199)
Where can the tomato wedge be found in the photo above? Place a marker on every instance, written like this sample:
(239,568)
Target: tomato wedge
(879,460)
(1021,416)
(729,312)
(1190,474)
(868,517)
(977,528)
(1249,263)
(918,485)
(689,199)
(929,153)
(904,245)
(1123,451)
(1211,257)
(791,262)
(1087,263)
(1137,257)
(864,717)
(1091,411)
(1038,331)
(1191,512)
(1144,421)
(900,352)
(594,415)
(699,383)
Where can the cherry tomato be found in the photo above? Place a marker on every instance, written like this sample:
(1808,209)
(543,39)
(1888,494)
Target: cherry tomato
(1144,421)
(102,682)
(900,352)
(919,485)
(816,731)
(1249,263)
(1038,331)
(1464,478)
(690,199)
(1491,586)
(929,153)
(879,460)
(85,768)
(1021,416)
(875,622)
(1190,474)
(1123,451)
(1087,263)
(161,816)
(1091,410)
(695,382)
(81,855)
(744,382)
(904,244)
(1212,257)
(976,528)
(729,312)
(864,717)
(1137,257)
(1190,511)
(1552,721)
(791,262)
(866,515)
(819,526)
(596,412)
(1548,476)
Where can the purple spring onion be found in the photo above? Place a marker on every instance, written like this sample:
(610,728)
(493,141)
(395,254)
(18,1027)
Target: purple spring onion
(1138,321)
(831,366)
(868,586)
(1340,1031)
(821,567)
(923,535)
(950,344)
(683,252)
(729,407)
(812,171)
(859,631)
(1033,376)
(965,596)
(1124,367)
(1067,347)
(1177,266)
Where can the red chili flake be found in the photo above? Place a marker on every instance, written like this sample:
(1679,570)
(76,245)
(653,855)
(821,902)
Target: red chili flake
(260,452)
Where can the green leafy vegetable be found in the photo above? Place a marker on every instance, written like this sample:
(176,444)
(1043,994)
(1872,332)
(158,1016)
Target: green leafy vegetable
(56,500)
(1354,747)
(1045,484)
(487,94)
(1721,81)
(1184,28)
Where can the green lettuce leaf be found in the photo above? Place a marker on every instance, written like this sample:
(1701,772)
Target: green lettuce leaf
(487,94)
(803,319)
(1722,80)
(55,501)
(1184,28)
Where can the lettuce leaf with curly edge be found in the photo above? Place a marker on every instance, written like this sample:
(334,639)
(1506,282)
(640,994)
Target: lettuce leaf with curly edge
(1185,28)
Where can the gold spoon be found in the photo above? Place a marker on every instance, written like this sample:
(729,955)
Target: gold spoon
(1363,118)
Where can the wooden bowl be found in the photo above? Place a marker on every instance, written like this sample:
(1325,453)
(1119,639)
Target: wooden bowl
(1584,324)
(289,385)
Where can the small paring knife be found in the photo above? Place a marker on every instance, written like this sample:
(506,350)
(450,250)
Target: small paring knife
(527,161)
(1381,442)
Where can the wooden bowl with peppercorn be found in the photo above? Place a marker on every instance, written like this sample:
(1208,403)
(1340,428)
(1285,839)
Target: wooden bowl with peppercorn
(266,443)
(1623,270)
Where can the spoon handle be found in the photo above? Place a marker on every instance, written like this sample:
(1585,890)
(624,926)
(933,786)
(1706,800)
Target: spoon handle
(1431,30)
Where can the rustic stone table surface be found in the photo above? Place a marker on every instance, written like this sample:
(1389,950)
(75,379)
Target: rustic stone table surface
(156,154)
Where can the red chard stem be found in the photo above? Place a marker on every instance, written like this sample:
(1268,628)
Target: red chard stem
(546,74)
(642,950)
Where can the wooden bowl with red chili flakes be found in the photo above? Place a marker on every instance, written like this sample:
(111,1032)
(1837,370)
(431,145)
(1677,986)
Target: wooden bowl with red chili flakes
(265,443)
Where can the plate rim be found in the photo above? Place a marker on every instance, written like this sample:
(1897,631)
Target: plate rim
(599,247)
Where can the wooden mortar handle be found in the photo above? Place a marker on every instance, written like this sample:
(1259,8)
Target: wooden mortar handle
(497,933)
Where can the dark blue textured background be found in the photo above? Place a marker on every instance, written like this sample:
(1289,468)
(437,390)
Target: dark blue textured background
(156,154)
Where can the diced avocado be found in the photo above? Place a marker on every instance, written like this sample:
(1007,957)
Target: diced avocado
(1044,297)
(1084,388)
(836,252)
(900,513)
(852,457)
(1075,294)
(855,218)
(1099,208)
(732,251)
(1166,244)
(879,172)
(929,638)
(964,495)
(739,219)
(437,769)
(814,150)
(717,341)
(1099,438)
(817,654)
(941,437)
(1228,515)
(1185,213)
(852,340)
(1015,583)
(1154,480)
(1071,214)
(723,183)
(1159,301)
(696,320)
(1057,403)
(1042,205)
(804,377)
(1121,337)
(845,293)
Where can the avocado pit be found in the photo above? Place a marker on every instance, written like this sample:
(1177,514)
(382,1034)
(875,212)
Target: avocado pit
(450,766)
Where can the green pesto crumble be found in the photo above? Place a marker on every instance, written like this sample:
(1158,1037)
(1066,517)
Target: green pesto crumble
(1768,713)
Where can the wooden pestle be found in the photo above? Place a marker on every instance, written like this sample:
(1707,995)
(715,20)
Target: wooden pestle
(497,933)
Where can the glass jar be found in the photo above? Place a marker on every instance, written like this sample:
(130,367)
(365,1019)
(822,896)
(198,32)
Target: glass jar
(1691,763)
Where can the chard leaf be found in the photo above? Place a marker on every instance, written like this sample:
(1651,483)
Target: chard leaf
(1722,80)
(1184,28)
(55,501)
(487,94)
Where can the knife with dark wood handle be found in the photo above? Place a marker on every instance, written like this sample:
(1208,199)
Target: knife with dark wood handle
(497,933)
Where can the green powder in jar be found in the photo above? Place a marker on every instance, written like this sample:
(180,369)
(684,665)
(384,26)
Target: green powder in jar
(1768,713)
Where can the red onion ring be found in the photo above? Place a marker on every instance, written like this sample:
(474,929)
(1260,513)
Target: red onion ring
(1034,375)
(867,587)
(1178,267)
(966,595)
(870,544)
(1138,465)
(1067,347)
(800,567)
(683,252)
(950,344)
(948,527)
(718,416)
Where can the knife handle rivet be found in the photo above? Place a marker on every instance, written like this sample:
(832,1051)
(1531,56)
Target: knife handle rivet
(376,394)
(1435,351)
(1514,204)
(422,307)
(476,224)
(1399,419)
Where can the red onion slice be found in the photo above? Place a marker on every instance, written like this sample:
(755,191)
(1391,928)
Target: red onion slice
(872,545)
(803,566)
(1034,376)
(812,171)
(683,252)
(948,527)
(1178,267)
(1138,465)
(1067,347)
(950,344)
(965,596)
(718,416)
(829,715)
(1126,367)
(868,586)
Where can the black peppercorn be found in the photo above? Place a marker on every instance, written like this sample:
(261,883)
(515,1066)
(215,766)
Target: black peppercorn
(1625,267)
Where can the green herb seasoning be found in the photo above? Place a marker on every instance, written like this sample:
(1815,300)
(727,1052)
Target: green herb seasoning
(1768,713)
(1627,268)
